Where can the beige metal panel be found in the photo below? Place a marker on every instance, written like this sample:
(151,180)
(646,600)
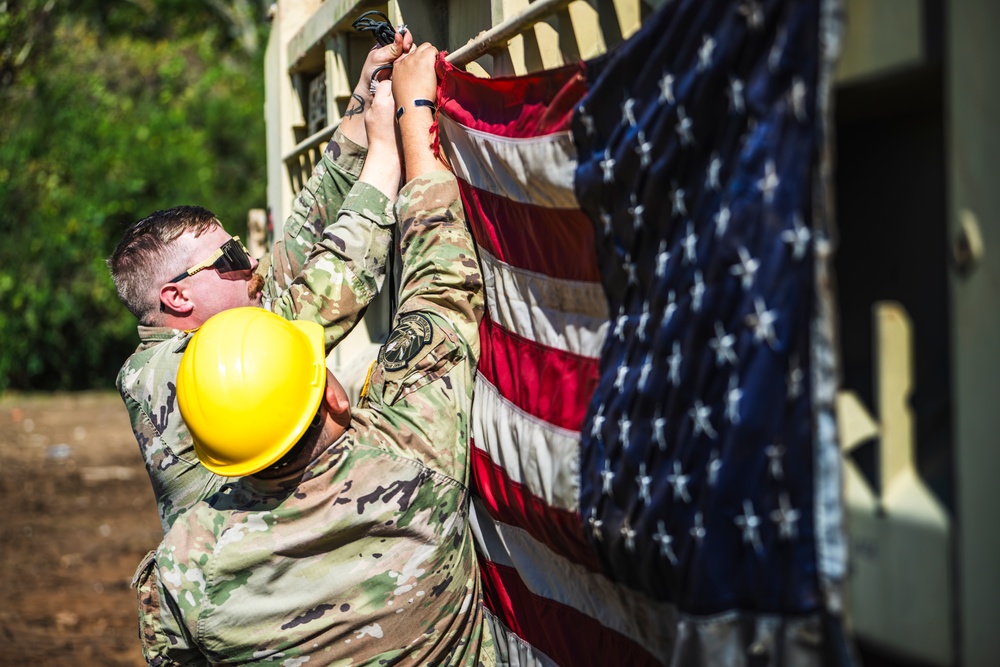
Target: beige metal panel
(257,233)
(881,35)
(282,112)
(972,110)
(894,336)
(425,19)
(466,20)
(536,48)
(338,81)
(584,29)
(278,188)
(900,586)
(329,16)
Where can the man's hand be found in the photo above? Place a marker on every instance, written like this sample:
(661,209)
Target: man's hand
(414,77)
(384,55)
(379,121)
(353,125)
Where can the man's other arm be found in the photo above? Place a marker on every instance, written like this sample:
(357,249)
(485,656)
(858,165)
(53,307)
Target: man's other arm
(330,183)
(331,261)
(164,638)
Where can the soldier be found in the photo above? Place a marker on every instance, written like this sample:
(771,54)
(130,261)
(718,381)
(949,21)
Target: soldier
(176,268)
(348,540)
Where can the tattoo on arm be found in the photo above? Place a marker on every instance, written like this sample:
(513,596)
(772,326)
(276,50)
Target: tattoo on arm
(354,111)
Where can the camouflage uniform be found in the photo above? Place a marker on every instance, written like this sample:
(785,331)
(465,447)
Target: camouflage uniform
(366,557)
(330,285)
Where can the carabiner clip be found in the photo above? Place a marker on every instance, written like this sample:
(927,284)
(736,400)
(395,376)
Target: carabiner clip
(373,84)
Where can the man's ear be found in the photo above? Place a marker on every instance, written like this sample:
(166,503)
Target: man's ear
(336,400)
(174,300)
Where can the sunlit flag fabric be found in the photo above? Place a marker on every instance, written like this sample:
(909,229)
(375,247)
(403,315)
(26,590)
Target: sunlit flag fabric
(654,454)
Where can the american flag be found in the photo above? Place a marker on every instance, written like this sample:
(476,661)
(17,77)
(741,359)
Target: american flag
(655,458)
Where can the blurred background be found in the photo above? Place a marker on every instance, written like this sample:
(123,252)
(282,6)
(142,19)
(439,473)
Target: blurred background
(108,112)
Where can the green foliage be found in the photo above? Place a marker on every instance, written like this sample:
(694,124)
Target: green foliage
(25,28)
(100,128)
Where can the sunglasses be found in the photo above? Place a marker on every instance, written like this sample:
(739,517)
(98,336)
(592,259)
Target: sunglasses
(231,256)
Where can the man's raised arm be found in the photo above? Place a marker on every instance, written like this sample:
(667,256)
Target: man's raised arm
(425,374)
(344,213)
(345,268)
(331,261)
(440,269)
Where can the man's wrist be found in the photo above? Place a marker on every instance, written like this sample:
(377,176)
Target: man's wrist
(356,105)
(416,104)
(361,91)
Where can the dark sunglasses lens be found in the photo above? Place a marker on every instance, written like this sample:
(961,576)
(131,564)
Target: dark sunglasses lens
(234,258)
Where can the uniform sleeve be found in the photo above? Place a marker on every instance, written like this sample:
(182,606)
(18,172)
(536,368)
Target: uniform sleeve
(150,396)
(440,268)
(345,269)
(331,262)
(165,642)
(315,208)
(422,384)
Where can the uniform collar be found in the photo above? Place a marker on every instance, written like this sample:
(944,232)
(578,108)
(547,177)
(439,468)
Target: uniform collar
(324,461)
(157,334)
(150,337)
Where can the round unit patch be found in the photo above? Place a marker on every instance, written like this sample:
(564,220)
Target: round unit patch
(407,339)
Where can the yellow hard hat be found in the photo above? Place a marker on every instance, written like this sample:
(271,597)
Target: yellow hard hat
(249,385)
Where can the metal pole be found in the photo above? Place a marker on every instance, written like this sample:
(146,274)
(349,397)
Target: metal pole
(503,32)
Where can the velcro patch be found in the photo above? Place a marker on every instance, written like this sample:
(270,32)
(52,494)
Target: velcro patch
(408,337)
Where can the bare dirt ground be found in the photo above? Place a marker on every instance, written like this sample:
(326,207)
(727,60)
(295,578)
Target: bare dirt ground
(78,515)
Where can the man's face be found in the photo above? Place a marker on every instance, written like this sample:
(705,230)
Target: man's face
(213,291)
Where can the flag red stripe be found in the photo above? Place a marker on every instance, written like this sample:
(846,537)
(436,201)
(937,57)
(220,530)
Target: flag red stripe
(511,503)
(566,635)
(550,384)
(533,237)
(521,106)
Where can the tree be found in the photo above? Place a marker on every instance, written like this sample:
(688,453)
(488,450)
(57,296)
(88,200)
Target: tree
(25,27)
(106,125)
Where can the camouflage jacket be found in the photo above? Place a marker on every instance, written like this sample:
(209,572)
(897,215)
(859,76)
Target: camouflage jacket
(327,268)
(366,557)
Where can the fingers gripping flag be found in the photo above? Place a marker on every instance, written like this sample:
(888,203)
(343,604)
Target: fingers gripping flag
(654,455)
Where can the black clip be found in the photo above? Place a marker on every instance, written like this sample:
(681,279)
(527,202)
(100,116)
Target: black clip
(373,84)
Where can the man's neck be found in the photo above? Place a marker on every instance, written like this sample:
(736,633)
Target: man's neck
(304,452)
(181,323)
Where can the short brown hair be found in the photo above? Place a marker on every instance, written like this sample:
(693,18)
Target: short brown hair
(145,257)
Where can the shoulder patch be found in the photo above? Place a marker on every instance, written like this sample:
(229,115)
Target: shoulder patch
(408,337)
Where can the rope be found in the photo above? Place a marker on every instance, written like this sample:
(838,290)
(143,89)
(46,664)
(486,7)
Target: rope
(382,30)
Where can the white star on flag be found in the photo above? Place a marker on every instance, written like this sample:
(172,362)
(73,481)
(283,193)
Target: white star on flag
(749,524)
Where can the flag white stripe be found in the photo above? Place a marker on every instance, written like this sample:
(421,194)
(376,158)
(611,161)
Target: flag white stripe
(567,315)
(630,613)
(512,651)
(542,457)
(536,170)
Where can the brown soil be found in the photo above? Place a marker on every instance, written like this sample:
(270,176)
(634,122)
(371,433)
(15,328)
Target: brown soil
(78,515)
